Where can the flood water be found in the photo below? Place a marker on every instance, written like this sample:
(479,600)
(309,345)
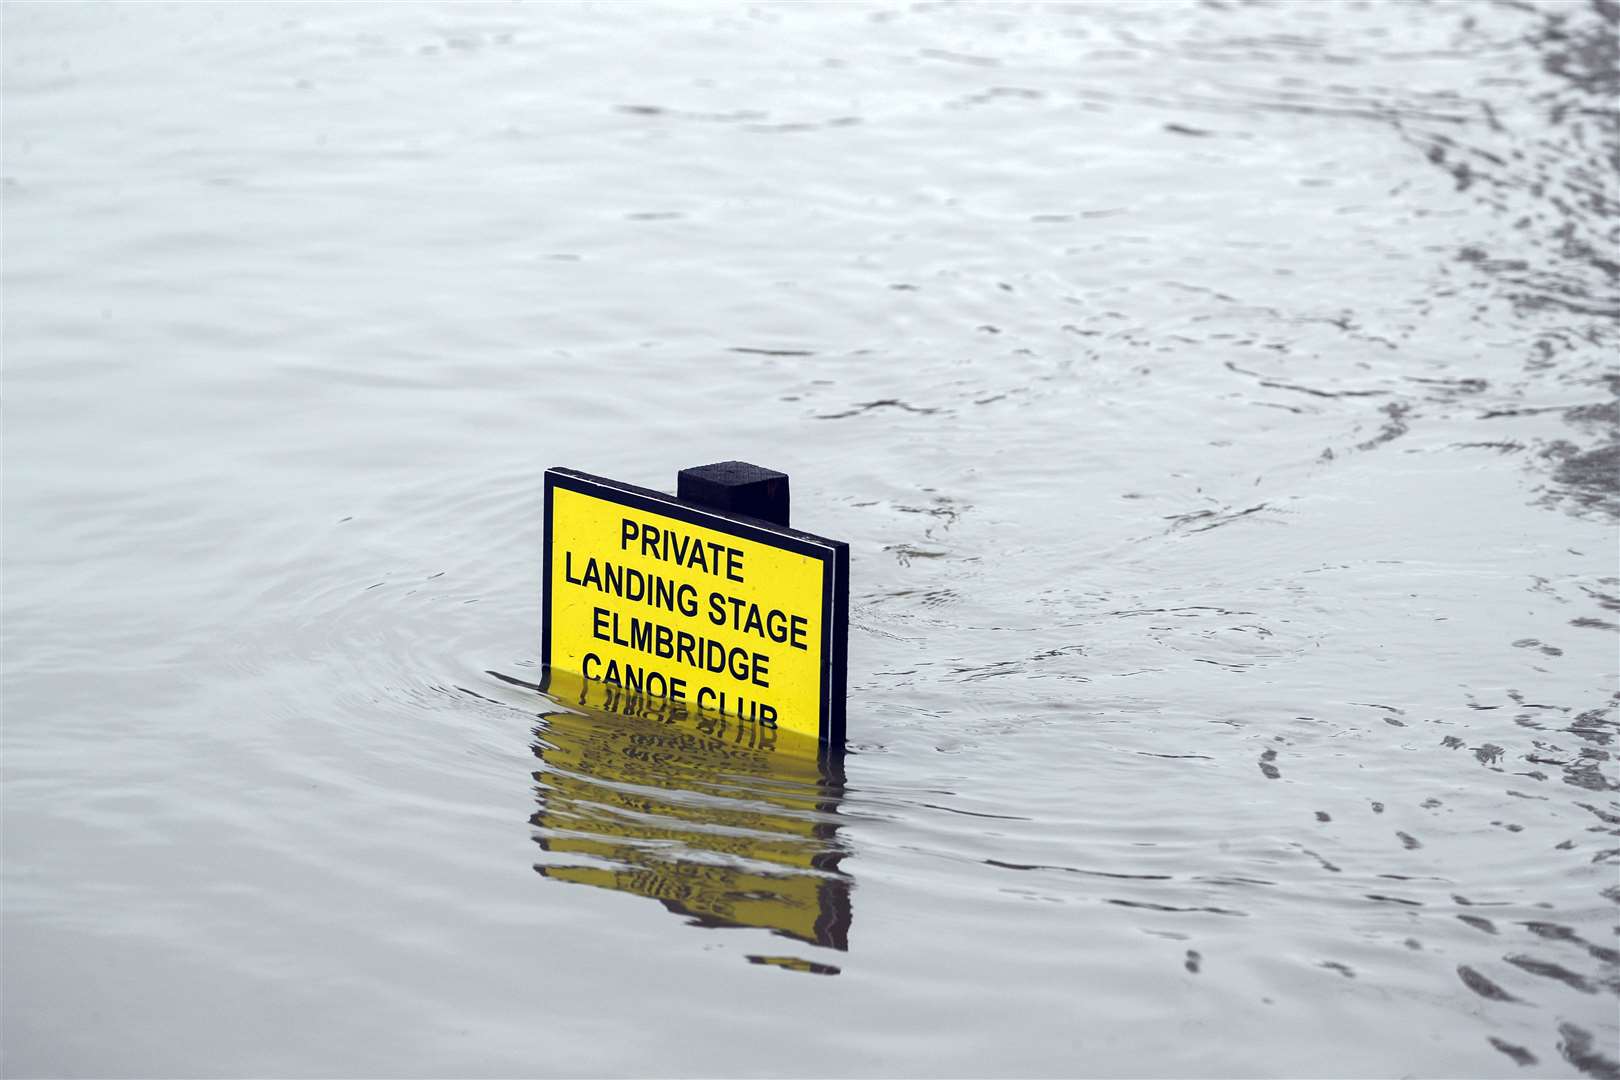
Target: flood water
(1220,403)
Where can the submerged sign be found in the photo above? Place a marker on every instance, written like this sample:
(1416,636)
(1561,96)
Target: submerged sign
(614,812)
(728,614)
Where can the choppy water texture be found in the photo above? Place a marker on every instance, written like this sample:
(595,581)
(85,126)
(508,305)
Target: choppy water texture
(1220,401)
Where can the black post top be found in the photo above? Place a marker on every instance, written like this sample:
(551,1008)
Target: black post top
(737,488)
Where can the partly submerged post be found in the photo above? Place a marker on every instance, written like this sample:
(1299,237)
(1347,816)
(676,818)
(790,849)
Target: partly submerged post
(736,487)
(707,599)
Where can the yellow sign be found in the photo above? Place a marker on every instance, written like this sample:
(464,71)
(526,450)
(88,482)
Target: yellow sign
(663,599)
(630,801)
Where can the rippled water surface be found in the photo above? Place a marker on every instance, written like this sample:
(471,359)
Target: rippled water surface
(1220,402)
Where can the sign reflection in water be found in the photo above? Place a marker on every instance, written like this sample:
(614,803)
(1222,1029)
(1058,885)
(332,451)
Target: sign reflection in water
(726,822)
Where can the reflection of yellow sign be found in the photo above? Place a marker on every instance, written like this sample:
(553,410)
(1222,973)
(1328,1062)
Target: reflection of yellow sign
(664,599)
(718,819)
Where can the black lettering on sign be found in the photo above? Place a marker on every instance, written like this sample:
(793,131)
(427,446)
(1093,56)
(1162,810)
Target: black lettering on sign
(667,545)
(646,636)
(629,583)
(773,624)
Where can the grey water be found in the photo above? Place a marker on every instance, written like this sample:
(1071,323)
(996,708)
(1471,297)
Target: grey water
(1220,401)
